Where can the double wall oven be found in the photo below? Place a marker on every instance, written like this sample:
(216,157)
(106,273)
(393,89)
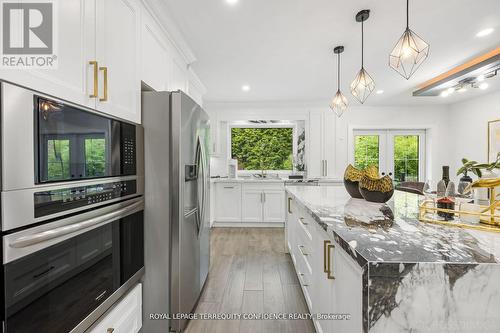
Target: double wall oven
(72,212)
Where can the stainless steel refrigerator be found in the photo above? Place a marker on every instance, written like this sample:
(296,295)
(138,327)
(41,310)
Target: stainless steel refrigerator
(176,214)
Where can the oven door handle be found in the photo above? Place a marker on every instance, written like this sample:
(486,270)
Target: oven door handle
(75,227)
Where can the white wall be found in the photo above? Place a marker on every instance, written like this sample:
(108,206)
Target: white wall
(469,126)
(431,118)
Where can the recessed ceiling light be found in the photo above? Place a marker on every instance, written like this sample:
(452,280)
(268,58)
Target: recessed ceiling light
(451,90)
(380,92)
(444,93)
(232,2)
(245,87)
(483,86)
(462,89)
(485,32)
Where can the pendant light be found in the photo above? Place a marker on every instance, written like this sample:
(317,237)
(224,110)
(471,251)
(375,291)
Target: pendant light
(339,103)
(363,84)
(410,51)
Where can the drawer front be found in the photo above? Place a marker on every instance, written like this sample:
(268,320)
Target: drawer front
(124,317)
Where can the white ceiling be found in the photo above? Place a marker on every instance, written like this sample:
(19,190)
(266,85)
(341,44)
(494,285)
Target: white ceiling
(283,48)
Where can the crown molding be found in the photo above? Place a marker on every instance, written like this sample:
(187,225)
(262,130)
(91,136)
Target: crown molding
(160,12)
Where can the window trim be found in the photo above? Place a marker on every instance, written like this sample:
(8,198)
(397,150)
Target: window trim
(278,172)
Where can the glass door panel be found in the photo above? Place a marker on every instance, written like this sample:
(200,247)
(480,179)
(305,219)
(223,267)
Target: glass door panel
(369,149)
(397,153)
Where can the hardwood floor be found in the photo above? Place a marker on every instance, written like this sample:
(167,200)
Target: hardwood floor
(250,273)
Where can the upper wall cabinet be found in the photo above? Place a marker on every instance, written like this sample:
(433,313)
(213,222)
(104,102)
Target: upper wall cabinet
(72,78)
(156,55)
(98,58)
(118,58)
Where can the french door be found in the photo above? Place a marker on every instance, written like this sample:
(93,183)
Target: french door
(397,153)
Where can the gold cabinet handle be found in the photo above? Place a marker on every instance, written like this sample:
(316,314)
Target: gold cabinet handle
(329,273)
(110,330)
(301,219)
(95,91)
(104,69)
(325,249)
(301,249)
(289,205)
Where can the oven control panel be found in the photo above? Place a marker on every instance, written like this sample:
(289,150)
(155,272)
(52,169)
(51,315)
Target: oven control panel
(56,201)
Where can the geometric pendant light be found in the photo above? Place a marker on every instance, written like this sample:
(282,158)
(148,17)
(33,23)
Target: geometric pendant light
(363,84)
(410,51)
(339,103)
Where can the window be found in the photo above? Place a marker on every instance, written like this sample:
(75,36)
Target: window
(262,148)
(398,153)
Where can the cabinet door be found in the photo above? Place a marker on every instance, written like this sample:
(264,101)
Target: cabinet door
(72,80)
(274,206)
(323,288)
(118,52)
(328,143)
(348,292)
(228,202)
(251,205)
(314,152)
(125,316)
(155,55)
(179,76)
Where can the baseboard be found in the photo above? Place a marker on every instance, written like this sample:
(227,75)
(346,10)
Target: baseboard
(248,224)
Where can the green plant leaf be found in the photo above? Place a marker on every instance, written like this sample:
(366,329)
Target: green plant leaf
(461,171)
(464,160)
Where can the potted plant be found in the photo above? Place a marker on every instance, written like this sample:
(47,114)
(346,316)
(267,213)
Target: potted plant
(476,168)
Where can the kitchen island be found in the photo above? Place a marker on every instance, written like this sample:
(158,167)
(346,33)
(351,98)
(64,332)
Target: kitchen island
(386,270)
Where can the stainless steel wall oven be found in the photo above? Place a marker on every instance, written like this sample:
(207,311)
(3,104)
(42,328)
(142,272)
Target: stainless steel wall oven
(72,212)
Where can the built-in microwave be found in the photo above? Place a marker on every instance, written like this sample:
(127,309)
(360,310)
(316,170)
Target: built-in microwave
(54,149)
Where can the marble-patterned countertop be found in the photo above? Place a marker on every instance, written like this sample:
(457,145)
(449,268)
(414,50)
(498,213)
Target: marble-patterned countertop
(397,236)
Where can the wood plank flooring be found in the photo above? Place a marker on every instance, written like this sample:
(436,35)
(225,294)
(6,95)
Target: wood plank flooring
(250,273)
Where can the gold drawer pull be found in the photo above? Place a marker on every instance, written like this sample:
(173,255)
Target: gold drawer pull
(325,249)
(289,205)
(105,72)
(95,92)
(110,330)
(301,219)
(329,273)
(301,247)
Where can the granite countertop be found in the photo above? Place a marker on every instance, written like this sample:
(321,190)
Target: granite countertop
(397,236)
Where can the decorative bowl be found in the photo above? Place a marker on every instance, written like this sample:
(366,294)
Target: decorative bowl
(376,189)
(352,176)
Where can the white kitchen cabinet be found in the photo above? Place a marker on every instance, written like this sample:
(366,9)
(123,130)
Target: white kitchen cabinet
(253,204)
(72,79)
(273,205)
(228,202)
(118,55)
(252,200)
(321,156)
(179,75)
(313,252)
(323,287)
(155,54)
(124,317)
(195,88)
